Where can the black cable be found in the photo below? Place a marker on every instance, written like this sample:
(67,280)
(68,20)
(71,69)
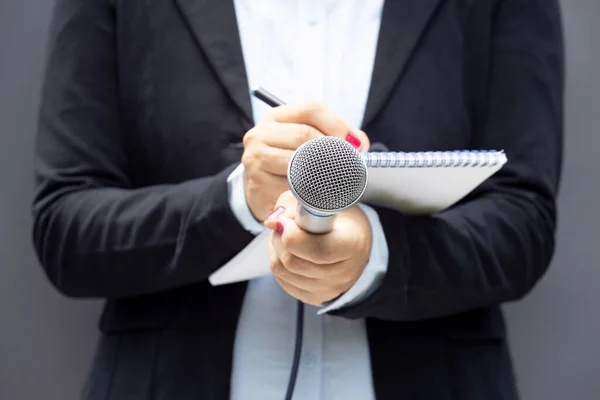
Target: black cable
(297,350)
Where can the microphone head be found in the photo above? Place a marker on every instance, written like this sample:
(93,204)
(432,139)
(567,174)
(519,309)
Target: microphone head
(327,175)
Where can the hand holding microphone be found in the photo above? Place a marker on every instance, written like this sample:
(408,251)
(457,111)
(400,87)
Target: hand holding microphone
(321,243)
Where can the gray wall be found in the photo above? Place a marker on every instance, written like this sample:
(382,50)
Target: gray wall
(46,341)
(555,332)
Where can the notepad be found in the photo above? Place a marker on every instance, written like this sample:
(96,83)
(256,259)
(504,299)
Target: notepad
(427,182)
(416,183)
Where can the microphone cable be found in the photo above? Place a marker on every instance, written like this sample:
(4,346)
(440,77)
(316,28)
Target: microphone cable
(297,350)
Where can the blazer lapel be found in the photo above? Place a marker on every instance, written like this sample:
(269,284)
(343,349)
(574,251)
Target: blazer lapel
(402,25)
(214,25)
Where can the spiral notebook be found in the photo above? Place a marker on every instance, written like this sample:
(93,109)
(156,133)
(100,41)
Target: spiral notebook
(412,183)
(427,182)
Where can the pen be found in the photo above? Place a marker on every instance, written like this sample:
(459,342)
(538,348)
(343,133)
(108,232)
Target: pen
(267,97)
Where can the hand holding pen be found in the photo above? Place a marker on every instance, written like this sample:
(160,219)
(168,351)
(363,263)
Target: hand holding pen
(269,146)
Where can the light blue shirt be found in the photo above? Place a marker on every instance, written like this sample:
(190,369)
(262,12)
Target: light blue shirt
(302,50)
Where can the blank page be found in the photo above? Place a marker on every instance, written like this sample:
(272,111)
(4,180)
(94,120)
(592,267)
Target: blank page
(425,183)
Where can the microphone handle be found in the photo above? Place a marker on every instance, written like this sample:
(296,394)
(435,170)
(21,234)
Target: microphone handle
(313,223)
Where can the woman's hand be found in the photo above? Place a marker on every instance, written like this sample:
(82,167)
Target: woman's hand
(269,146)
(317,268)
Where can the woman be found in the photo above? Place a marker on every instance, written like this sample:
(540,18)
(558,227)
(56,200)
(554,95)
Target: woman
(154,168)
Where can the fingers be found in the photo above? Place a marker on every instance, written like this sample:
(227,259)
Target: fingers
(265,169)
(319,249)
(322,118)
(284,136)
(305,283)
(285,207)
(308,290)
(315,298)
(266,158)
(289,135)
(324,249)
(317,268)
(296,266)
(312,113)
(262,191)
(266,185)
(363,139)
(302,295)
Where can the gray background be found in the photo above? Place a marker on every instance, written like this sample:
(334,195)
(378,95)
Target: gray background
(46,341)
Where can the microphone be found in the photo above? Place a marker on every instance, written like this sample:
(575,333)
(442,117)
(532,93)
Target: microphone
(327,175)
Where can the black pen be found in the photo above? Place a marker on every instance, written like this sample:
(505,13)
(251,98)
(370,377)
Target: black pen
(267,97)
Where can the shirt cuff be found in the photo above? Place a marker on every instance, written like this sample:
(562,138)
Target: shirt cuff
(374,271)
(238,204)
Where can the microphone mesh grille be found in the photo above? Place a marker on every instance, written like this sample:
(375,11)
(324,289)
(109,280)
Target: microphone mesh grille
(328,174)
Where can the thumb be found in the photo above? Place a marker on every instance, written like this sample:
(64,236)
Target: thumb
(284,207)
(323,119)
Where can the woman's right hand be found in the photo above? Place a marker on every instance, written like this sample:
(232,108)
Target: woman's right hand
(269,146)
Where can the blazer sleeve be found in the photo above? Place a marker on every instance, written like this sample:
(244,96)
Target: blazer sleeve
(95,235)
(495,245)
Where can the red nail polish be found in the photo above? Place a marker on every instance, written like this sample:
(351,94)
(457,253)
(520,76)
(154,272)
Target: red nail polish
(276,213)
(279,228)
(353,140)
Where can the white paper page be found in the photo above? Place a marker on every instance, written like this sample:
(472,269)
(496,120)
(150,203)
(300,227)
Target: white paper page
(423,190)
(250,263)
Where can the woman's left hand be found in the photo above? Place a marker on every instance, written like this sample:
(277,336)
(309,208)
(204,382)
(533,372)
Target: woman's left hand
(317,268)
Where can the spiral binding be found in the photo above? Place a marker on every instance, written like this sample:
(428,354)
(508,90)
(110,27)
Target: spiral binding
(435,159)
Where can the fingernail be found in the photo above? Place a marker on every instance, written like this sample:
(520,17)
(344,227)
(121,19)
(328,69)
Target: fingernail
(353,140)
(276,213)
(279,228)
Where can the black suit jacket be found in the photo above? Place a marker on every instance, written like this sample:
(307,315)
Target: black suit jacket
(144,107)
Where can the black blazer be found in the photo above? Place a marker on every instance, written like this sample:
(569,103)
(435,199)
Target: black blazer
(144,107)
